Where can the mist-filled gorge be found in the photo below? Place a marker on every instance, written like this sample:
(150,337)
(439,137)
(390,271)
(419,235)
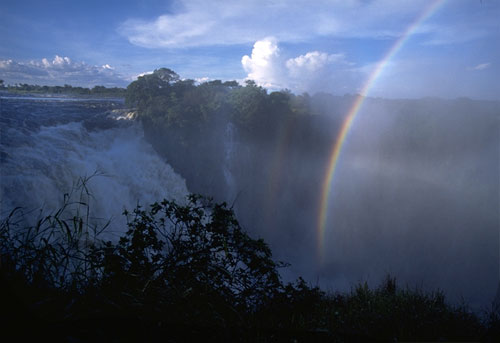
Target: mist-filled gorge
(416,193)
(415,196)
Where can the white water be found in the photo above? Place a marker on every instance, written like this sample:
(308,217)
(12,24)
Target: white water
(40,166)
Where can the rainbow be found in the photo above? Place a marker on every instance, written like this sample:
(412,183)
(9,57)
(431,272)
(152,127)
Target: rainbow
(351,115)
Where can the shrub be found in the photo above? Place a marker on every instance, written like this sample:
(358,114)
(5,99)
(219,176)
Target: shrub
(191,272)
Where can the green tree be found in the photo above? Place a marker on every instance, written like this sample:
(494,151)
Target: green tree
(248,105)
(166,75)
(147,87)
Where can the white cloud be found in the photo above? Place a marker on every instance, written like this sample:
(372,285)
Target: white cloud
(306,72)
(200,80)
(311,62)
(61,61)
(318,71)
(264,66)
(142,74)
(481,66)
(225,22)
(60,70)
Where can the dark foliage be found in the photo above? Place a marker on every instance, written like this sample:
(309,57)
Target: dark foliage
(165,100)
(176,266)
(184,272)
(100,91)
(188,125)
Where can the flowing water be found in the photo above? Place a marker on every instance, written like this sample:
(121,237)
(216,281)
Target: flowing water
(51,147)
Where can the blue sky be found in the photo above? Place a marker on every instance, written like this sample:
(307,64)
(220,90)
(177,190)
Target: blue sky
(300,45)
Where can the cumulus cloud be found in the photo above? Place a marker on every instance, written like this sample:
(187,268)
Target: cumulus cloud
(265,64)
(311,62)
(224,22)
(58,71)
(268,68)
(316,71)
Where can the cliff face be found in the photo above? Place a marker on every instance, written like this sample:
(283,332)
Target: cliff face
(271,179)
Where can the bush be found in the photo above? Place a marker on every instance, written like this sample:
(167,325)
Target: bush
(178,264)
(190,272)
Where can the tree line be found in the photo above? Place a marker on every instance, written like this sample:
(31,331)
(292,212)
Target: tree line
(163,98)
(66,89)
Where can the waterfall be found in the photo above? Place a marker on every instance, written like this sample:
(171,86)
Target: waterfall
(50,150)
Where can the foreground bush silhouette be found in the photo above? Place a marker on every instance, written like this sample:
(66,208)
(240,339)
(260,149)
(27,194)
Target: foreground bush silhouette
(176,264)
(184,272)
